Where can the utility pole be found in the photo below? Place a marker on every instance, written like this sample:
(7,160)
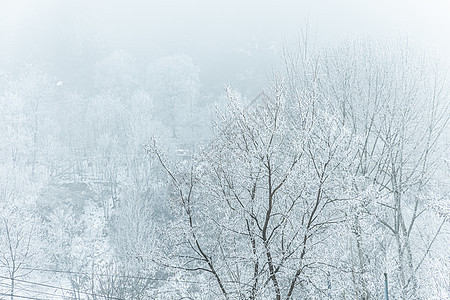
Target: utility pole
(386,294)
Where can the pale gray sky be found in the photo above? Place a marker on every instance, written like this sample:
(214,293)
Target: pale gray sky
(428,20)
(206,29)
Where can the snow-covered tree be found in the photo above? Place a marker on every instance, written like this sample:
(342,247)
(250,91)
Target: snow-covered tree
(173,82)
(256,207)
(394,99)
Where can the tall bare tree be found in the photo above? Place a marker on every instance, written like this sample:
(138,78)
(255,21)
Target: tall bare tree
(395,101)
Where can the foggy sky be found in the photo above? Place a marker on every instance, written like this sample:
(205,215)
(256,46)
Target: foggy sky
(209,31)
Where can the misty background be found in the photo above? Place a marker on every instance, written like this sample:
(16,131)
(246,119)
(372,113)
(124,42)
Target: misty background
(224,149)
(229,41)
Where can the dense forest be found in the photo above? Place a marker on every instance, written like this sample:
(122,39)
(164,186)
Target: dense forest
(325,176)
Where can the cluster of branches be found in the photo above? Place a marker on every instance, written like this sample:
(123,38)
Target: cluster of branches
(340,155)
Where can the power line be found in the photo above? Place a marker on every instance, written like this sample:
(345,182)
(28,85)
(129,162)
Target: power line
(32,291)
(23,297)
(61,288)
(107,275)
